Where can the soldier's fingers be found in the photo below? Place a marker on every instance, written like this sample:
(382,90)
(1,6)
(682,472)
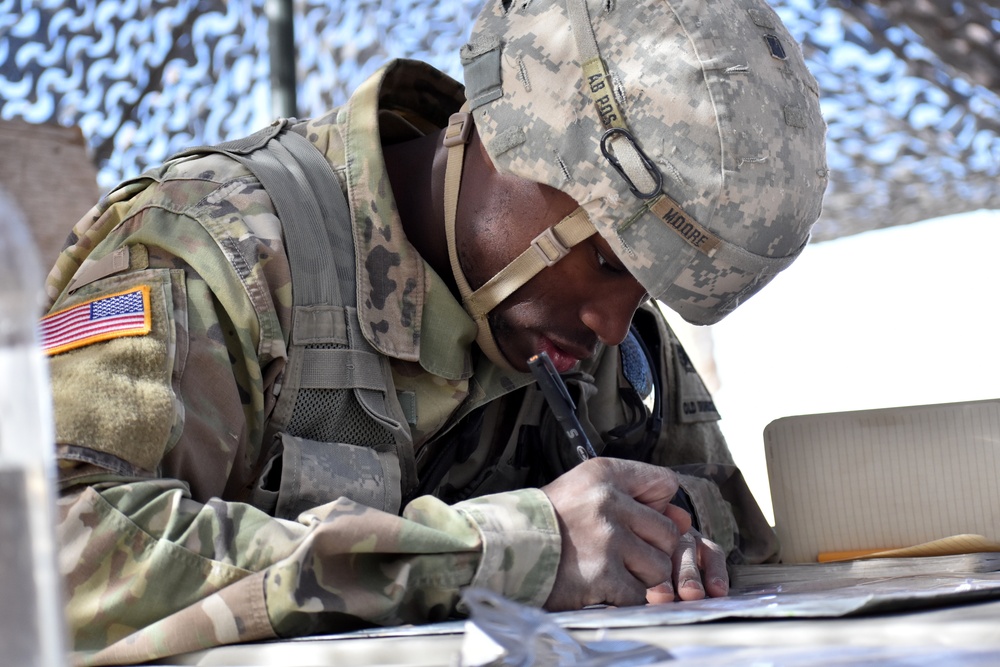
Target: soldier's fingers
(654,528)
(646,563)
(661,593)
(680,517)
(712,559)
(649,484)
(687,576)
(621,588)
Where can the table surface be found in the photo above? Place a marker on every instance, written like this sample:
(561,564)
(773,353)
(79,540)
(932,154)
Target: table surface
(779,614)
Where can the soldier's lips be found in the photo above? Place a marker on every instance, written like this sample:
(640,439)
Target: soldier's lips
(561,359)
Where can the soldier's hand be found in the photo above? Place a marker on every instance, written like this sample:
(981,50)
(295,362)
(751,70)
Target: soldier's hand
(619,532)
(699,569)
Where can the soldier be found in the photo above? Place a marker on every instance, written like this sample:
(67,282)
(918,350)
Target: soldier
(263,436)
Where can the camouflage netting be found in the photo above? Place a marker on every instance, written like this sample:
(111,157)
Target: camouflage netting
(911,100)
(909,85)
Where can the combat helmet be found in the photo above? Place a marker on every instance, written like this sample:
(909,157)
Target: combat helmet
(688,131)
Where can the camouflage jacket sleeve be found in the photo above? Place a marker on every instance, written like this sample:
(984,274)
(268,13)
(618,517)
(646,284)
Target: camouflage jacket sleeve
(160,435)
(152,573)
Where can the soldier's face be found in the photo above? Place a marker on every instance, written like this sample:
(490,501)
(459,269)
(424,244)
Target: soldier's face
(586,297)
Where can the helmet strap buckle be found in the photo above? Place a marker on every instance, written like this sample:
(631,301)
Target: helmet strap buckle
(548,246)
(459,129)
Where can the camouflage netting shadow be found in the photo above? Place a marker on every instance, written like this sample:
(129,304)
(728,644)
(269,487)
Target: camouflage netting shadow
(910,96)
(907,84)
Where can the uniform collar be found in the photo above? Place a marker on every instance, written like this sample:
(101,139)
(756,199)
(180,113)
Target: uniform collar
(397,291)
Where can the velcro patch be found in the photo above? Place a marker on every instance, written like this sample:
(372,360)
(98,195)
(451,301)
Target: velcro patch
(103,318)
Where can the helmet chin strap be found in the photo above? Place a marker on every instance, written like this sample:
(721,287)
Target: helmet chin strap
(545,249)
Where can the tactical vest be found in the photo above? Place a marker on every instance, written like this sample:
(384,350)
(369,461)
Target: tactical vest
(338,428)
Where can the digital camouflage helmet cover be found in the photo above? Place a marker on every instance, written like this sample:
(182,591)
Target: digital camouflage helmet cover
(688,131)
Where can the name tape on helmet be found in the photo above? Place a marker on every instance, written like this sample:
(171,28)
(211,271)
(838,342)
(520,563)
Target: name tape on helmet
(670,212)
(599,86)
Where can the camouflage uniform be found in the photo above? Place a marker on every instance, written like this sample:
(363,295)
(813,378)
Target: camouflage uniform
(160,431)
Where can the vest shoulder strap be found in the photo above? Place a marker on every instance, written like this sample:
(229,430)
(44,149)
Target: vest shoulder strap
(328,355)
(299,181)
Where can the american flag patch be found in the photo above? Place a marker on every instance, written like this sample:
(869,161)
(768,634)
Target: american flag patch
(106,317)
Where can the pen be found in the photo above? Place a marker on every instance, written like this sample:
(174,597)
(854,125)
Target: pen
(561,404)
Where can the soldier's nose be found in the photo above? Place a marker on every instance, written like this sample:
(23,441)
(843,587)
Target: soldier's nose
(609,313)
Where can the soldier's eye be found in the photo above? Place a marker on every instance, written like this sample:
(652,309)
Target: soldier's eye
(607,264)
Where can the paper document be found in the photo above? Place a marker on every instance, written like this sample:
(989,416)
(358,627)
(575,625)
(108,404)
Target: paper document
(873,480)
